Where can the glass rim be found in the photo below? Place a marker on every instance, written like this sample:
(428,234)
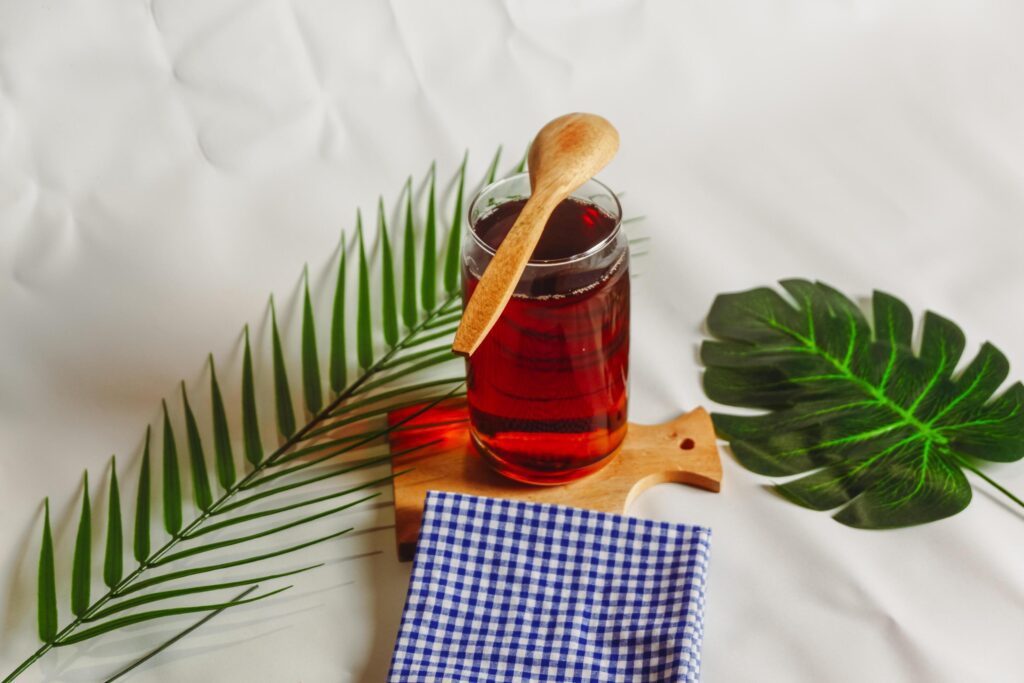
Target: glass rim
(565,260)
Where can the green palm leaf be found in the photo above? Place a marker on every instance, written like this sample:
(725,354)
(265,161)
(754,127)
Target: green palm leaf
(224,458)
(410,306)
(338,423)
(178,636)
(441,351)
(492,170)
(282,392)
(206,569)
(47,594)
(81,573)
(879,431)
(453,255)
(428,287)
(361,439)
(409,390)
(142,507)
(364,329)
(148,598)
(200,479)
(199,549)
(521,166)
(389,315)
(384,396)
(310,360)
(351,419)
(355,443)
(339,370)
(172,479)
(444,320)
(443,356)
(359,405)
(241,519)
(113,562)
(430,336)
(106,627)
(250,421)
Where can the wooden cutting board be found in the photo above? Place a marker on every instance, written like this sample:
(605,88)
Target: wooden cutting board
(682,450)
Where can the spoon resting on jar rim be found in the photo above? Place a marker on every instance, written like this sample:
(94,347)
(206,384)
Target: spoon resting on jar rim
(566,153)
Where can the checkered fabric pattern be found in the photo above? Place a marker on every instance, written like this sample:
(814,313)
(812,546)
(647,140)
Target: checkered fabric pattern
(506,590)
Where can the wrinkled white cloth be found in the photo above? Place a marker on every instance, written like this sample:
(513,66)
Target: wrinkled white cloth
(165,165)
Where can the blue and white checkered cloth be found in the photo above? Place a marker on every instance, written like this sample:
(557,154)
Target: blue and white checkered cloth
(506,590)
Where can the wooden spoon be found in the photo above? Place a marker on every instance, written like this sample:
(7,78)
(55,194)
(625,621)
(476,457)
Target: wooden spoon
(566,153)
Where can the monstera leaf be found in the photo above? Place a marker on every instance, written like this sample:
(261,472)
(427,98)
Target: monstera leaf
(878,429)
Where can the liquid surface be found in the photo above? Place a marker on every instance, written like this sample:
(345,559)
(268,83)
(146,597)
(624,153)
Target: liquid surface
(575,226)
(547,388)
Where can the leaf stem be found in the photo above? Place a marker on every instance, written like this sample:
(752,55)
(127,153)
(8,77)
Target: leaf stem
(28,662)
(967,465)
(204,515)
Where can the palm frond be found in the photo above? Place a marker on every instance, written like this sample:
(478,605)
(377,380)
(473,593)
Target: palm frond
(389,307)
(224,457)
(453,252)
(196,550)
(200,479)
(172,479)
(350,419)
(410,307)
(47,598)
(106,627)
(369,462)
(168,643)
(113,560)
(428,288)
(522,162)
(364,330)
(242,519)
(81,573)
(282,392)
(492,170)
(339,368)
(310,360)
(143,584)
(158,596)
(250,422)
(141,544)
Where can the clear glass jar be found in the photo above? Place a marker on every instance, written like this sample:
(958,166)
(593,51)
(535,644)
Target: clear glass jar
(548,387)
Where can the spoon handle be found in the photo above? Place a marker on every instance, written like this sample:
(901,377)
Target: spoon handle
(501,276)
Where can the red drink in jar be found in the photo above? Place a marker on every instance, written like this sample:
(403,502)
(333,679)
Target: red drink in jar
(547,388)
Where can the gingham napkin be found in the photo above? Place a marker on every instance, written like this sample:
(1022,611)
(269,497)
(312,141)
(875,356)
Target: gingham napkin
(506,590)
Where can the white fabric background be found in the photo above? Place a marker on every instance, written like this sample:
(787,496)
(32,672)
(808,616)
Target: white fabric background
(164,166)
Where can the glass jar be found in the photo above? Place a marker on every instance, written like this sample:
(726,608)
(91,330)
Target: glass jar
(547,388)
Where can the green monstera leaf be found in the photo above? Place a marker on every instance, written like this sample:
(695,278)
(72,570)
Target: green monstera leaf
(881,431)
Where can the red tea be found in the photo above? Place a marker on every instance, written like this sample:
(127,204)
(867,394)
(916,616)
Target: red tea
(547,387)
